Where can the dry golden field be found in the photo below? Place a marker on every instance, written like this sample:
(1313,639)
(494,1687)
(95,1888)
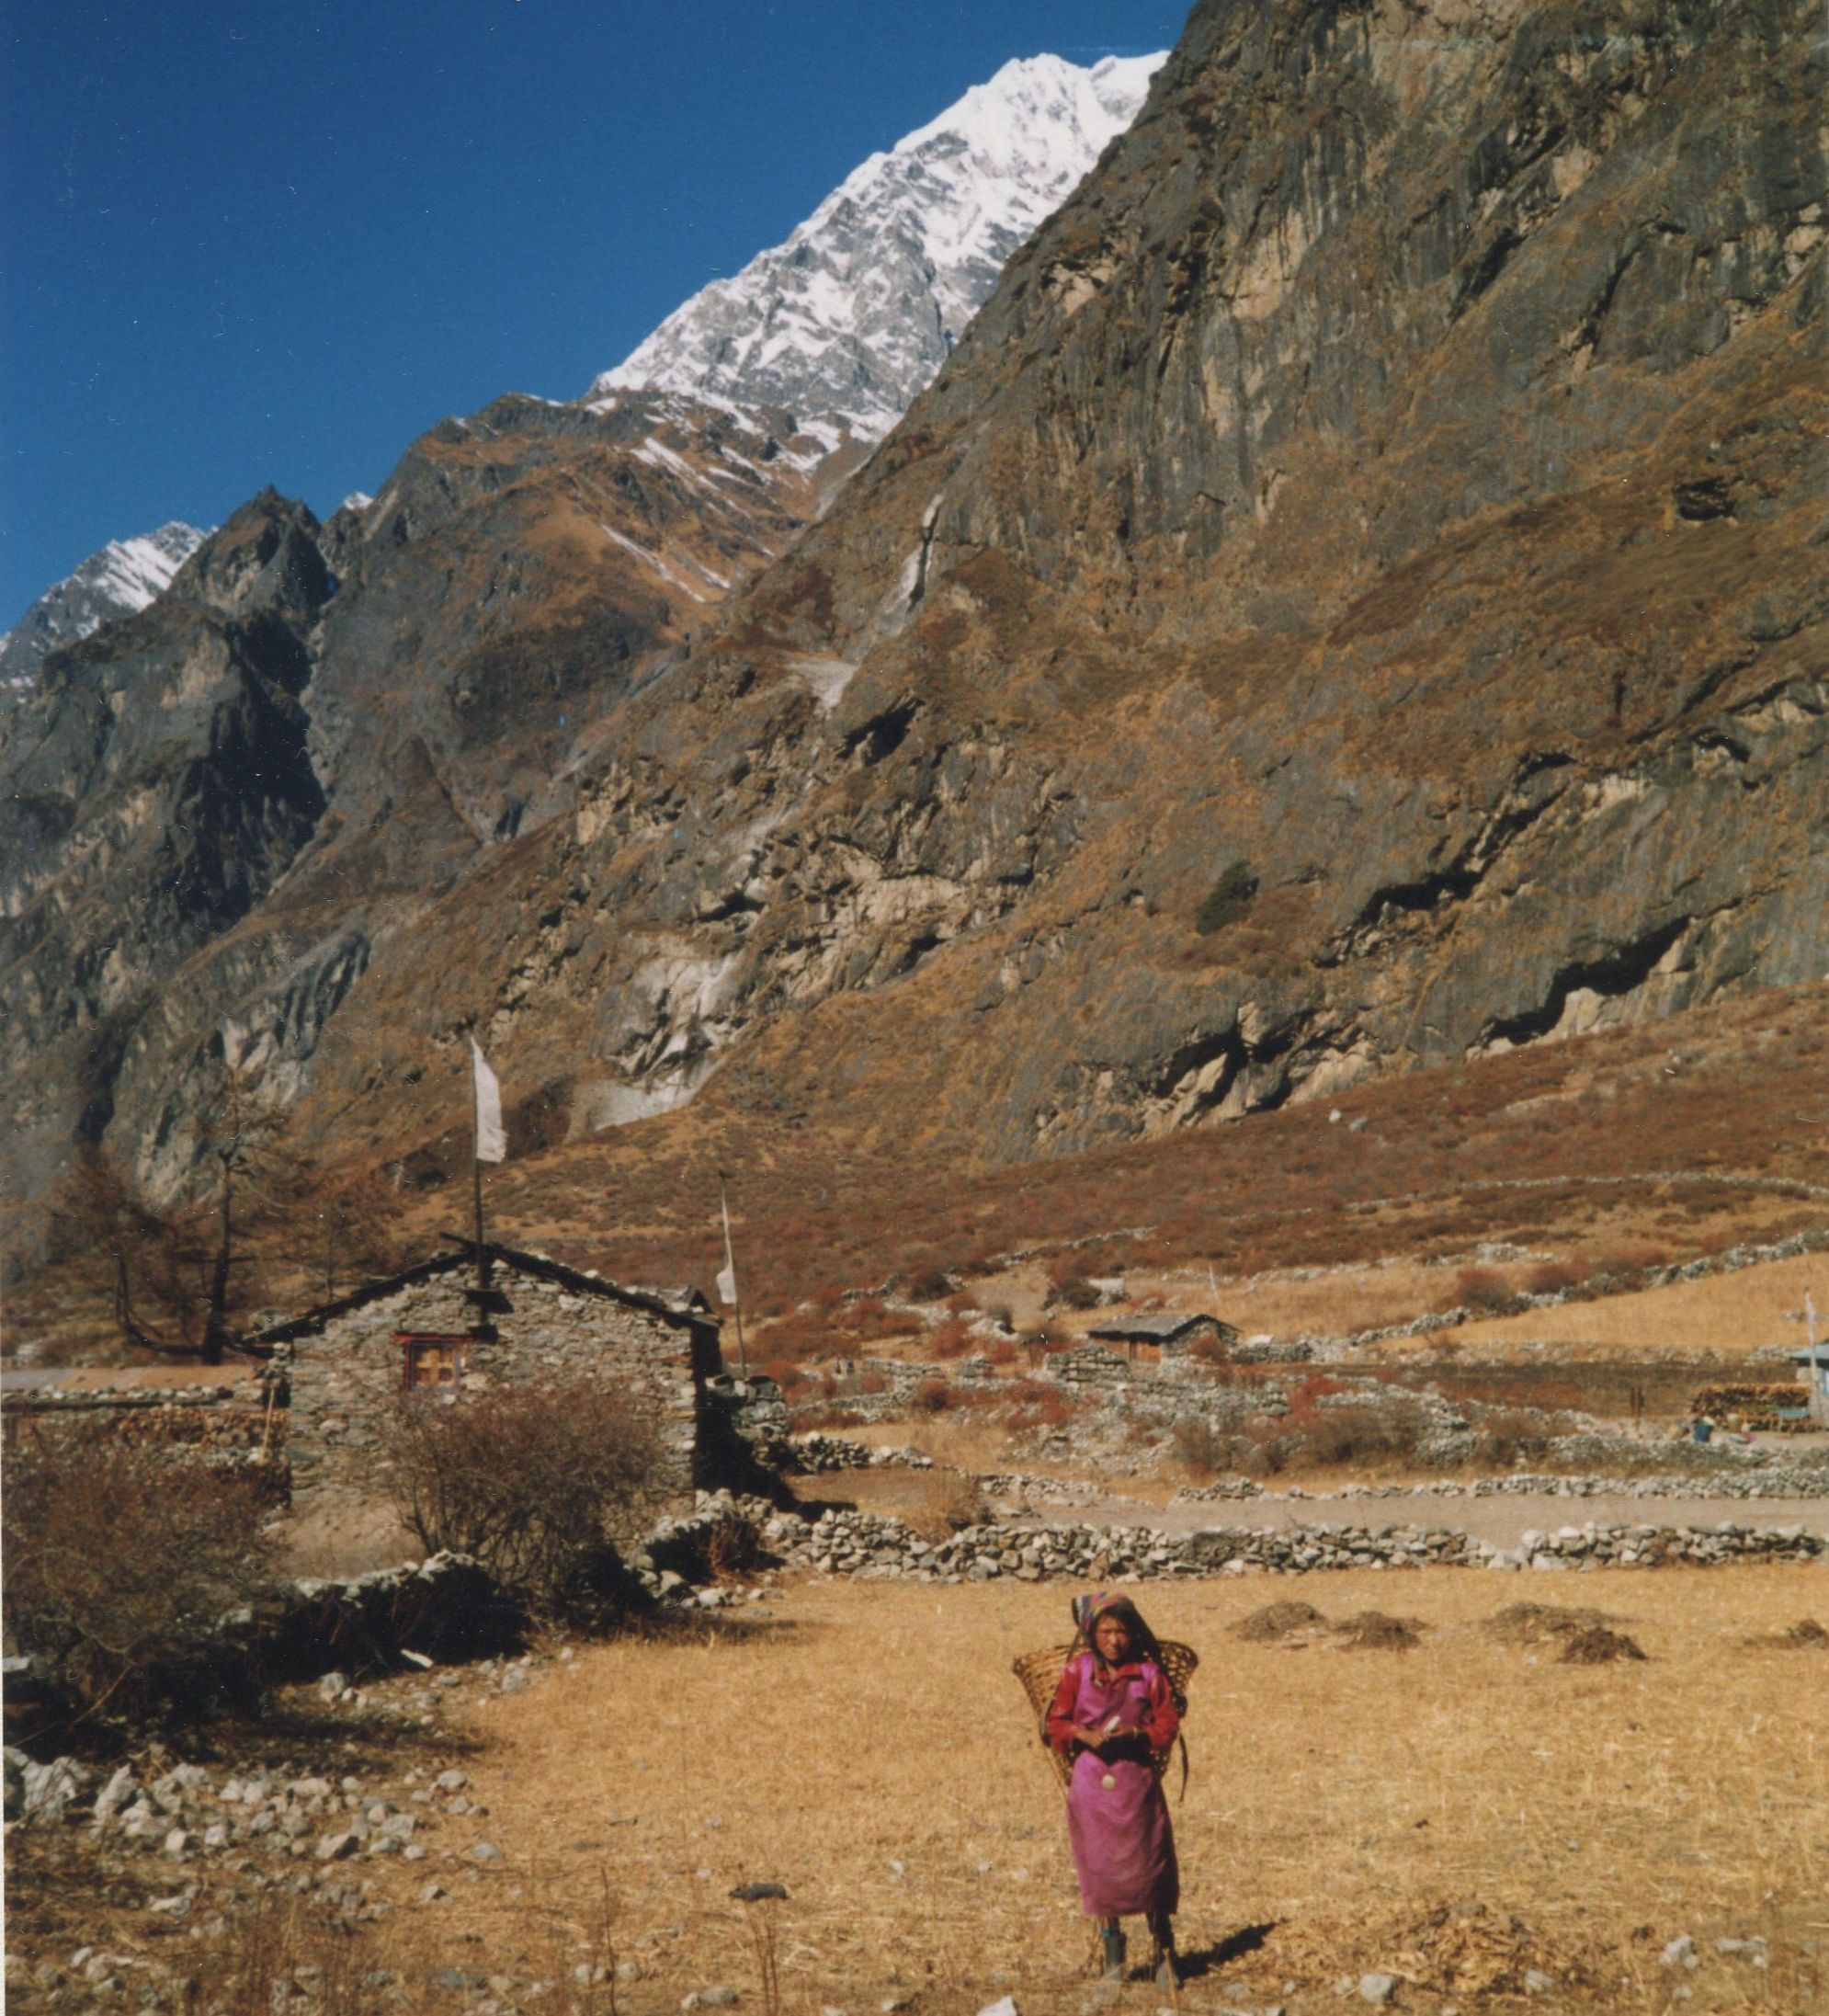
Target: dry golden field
(867,1748)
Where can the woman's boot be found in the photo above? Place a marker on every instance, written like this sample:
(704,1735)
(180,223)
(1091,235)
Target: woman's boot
(1112,1939)
(1164,1964)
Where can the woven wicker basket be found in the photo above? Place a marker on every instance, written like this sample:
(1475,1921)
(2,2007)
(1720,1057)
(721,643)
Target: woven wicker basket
(1040,1673)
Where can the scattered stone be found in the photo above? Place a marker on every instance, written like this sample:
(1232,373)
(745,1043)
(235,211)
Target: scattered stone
(1680,1953)
(332,1687)
(486,1851)
(1377,1988)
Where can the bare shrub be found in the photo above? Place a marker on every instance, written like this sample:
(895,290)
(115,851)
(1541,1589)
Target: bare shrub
(1484,1288)
(1075,1291)
(948,1501)
(1513,1435)
(1198,1445)
(119,1565)
(951,1339)
(930,1284)
(932,1396)
(541,1484)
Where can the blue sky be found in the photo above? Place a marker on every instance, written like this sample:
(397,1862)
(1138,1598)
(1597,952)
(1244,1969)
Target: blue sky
(246,241)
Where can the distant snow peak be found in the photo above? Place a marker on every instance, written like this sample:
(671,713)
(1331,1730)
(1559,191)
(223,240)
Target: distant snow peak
(846,323)
(125,576)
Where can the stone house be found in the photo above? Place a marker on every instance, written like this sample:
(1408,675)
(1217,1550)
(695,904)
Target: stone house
(1161,1342)
(1812,1368)
(432,1332)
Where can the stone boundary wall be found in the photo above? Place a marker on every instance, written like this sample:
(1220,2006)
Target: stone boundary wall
(876,1547)
(1788,1481)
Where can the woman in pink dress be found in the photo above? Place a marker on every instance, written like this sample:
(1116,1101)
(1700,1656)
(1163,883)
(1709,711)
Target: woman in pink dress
(1113,1714)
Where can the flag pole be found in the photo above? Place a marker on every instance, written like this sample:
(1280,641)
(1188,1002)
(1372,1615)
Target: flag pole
(730,1275)
(476,1176)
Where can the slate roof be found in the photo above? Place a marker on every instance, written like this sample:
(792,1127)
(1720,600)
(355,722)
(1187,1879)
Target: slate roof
(683,1307)
(1155,1329)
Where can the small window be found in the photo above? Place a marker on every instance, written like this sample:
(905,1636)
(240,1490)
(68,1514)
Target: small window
(431,1365)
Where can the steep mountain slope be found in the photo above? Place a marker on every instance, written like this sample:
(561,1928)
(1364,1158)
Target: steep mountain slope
(119,580)
(850,318)
(207,811)
(1392,479)
(1353,597)
(470,636)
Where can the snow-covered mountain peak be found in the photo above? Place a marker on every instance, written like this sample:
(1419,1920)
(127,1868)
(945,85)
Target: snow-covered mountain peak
(849,319)
(125,576)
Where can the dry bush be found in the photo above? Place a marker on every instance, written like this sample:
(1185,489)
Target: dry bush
(930,1284)
(1200,1446)
(1510,1436)
(1552,1278)
(539,1483)
(948,1501)
(951,1339)
(1386,1431)
(119,1565)
(1484,1288)
(932,1396)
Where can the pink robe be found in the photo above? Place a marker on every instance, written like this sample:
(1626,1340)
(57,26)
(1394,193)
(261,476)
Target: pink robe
(1117,1818)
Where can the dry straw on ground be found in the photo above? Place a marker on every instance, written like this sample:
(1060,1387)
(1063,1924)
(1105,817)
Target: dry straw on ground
(867,1750)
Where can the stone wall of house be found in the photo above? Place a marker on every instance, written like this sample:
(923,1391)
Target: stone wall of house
(346,1380)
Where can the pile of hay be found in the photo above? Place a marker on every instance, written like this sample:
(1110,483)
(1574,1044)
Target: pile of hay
(1275,1621)
(1805,1635)
(1531,1624)
(1596,1645)
(1466,1949)
(1372,1631)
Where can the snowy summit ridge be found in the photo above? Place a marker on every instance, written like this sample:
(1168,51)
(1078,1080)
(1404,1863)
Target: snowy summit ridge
(125,576)
(848,320)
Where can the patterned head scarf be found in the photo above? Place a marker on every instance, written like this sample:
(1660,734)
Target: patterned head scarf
(1089,1609)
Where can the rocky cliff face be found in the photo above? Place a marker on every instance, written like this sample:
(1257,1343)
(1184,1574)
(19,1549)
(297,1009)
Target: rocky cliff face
(1385,493)
(1353,597)
(209,811)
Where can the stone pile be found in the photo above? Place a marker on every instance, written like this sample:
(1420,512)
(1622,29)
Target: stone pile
(814,1453)
(187,1816)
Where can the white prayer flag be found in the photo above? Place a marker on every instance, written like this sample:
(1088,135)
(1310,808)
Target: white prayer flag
(492,1139)
(727,1278)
